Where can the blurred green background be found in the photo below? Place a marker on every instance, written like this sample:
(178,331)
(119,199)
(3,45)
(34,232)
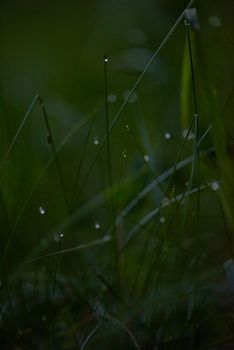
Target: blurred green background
(56,49)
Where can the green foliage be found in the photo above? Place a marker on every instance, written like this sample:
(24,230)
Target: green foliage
(117,223)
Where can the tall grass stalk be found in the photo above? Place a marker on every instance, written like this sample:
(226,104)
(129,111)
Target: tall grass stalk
(110,180)
(135,85)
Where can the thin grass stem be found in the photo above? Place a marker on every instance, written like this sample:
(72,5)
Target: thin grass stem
(135,85)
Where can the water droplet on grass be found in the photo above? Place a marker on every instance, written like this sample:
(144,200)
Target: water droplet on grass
(105,58)
(41,210)
(167,135)
(162,220)
(215,21)
(191,18)
(127,127)
(190,135)
(97,225)
(112,98)
(146,158)
(58,237)
(214,185)
(132,99)
(124,154)
(96,141)
(44,318)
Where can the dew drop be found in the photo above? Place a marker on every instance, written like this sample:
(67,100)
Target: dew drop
(191,18)
(105,58)
(96,141)
(162,220)
(112,98)
(100,309)
(124,154)
(41,210)
(58,237)
(215,21)
(190,135)
(107,238)
(132,99)
(97,225)
(214,185)
(127,127)
(167,135)
(146,158)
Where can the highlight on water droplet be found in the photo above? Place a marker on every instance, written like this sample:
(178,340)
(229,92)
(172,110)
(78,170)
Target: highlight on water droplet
(112,98)
(189,134)
(58,237)
(146,158)
(127,127)
(105,58)
(191,18)
(167,135)
(41,210)
(124,153)
(97,225)
(96,141)
(214,185)
(162,220)
(132,99)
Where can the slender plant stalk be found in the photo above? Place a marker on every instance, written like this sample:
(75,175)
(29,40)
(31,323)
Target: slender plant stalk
(11,234)
(84,335)
(194,172)
(52,143)
(96,242)
(135,85)
(18,133)
(110,180)
(59,171)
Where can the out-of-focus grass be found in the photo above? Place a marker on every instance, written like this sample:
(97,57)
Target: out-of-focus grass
(163,194)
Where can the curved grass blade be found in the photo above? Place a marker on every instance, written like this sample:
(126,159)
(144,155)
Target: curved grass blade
(96,242)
